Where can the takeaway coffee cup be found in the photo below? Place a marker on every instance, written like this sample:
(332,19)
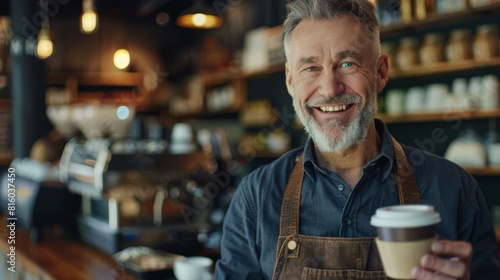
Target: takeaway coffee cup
(405,234)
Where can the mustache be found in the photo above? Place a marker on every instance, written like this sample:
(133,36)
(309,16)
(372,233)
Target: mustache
(340,98)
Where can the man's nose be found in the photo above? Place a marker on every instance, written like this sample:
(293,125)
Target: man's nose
(331,84)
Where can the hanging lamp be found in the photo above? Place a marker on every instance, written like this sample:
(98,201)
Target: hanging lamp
(199,16)
(44,47)
(89,20)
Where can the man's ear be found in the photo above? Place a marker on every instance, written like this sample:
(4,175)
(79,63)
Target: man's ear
(382,72)
(289,85)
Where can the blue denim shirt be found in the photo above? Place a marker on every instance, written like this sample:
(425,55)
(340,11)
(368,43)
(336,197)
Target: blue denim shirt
(330,208)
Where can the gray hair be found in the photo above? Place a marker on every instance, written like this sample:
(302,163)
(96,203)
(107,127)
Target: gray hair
(362,10)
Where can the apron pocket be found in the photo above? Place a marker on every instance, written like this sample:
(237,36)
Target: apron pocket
(309,273)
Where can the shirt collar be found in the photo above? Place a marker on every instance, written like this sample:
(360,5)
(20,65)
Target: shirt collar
(385,159)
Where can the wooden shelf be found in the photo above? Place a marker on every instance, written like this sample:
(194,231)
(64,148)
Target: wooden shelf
(6,159)
(5,104)
(208,114)
(439,20)
(269,71)
(440,116)
(487,171)
(97,79)
(221,77)
(445,68)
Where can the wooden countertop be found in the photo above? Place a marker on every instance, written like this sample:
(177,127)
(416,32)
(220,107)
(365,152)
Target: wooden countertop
(60,259)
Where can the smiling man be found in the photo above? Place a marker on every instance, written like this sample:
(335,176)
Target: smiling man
(306,215)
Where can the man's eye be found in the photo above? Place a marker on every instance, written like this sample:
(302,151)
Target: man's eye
(346,64)
(311,69)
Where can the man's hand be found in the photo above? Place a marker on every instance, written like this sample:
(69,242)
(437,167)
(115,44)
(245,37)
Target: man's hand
(435,266)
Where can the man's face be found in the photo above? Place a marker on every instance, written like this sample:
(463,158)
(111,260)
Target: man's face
(333,76)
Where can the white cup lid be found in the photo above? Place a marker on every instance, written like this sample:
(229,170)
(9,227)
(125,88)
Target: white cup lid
(405,216)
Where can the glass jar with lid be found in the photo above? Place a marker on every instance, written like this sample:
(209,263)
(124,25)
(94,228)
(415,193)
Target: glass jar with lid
(485,44)
(432,49)
(407,53)
(459,45)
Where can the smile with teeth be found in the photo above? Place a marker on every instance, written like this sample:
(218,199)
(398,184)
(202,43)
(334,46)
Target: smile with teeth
(336,108)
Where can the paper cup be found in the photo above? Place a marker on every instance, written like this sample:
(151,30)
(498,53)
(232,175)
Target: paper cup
(405,234)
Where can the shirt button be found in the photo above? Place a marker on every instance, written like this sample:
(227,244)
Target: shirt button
(348,222)
(340,187)
(292,245)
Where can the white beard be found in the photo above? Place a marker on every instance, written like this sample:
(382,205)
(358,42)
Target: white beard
(351,134)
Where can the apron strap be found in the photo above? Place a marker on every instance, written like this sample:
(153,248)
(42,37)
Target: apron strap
(289,218)
(407,184)
(290,209)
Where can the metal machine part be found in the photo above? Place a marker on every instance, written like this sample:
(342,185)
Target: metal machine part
(143,198)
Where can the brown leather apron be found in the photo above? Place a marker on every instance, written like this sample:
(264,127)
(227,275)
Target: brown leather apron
(313,257)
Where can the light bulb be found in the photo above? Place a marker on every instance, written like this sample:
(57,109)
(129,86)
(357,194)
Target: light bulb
(199,19)
(121,58)
(89,20)
(44,47)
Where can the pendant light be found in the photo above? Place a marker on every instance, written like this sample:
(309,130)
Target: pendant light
(89,20)
(199,16)
(44,47)
(121,58)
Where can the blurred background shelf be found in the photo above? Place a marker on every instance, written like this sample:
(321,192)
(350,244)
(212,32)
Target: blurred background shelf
(487,171)
(6,159)
(445,68)
(440,116)
(97,79)
(439,20)
(5,104)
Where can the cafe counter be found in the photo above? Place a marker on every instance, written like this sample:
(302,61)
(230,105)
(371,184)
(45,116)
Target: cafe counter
(55,258)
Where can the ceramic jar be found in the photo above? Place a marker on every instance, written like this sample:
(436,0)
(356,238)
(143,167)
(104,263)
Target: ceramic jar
(459,46)
(395,102)
(407,54)
(432,49)
(486,42)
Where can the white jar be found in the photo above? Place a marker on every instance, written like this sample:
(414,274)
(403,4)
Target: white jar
(395,102)
(437,96)
(415,100)
(479,3)
(490,96)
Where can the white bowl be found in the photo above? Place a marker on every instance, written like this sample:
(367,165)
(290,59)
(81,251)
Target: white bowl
(86,119)
(193,268)
(469,153)
(60,116)
(97,121)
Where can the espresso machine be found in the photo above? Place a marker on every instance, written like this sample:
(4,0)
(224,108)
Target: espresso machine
(136,193)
